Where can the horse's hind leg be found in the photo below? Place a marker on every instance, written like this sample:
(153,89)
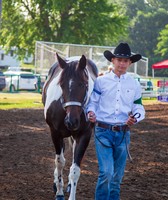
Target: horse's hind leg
(58,175)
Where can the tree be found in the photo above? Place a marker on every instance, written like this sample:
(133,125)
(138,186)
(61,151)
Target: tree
(93,22)
(147,18)
(157,4)
(162,46)
(145,31)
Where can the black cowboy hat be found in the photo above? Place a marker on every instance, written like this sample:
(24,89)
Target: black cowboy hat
(122,51)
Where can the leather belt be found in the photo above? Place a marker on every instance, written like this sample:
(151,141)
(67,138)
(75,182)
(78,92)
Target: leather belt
(114,128)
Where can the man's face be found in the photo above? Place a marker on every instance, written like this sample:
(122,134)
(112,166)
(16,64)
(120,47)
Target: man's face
(121,64)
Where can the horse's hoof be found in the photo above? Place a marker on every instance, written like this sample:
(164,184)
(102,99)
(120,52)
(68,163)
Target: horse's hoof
(60,197)
(54,188)
(68,189)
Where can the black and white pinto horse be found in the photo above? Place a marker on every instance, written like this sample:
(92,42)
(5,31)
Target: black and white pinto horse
(65,95)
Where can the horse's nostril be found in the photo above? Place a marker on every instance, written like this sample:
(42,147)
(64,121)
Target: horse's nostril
(71,124)
(66,121)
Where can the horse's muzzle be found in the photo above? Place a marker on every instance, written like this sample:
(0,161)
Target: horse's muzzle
(71,124)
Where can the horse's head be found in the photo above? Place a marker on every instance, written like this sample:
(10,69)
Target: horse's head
(74,85)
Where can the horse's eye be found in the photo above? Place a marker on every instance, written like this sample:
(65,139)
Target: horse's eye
(81,85)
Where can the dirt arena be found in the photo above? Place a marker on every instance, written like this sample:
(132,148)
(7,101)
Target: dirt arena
(27,158)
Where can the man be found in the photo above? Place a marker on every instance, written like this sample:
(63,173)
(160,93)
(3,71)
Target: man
(115,105)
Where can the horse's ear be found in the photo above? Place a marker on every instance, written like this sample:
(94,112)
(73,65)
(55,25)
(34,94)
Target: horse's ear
(82,62)
(61,62)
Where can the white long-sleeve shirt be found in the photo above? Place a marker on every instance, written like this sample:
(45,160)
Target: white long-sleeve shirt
(113,98)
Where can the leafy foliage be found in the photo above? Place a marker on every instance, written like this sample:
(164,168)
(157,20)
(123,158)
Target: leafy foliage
(147,19)
(69,21)
(142,23)
(162,46)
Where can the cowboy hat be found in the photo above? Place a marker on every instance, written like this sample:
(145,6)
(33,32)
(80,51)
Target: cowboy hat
(122,51)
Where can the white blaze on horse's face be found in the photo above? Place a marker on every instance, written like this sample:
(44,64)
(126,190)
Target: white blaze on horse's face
(70,84)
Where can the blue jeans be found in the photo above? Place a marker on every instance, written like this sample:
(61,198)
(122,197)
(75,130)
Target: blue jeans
(112,154)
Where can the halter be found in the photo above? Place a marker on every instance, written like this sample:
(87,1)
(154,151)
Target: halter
(77,103)
(74,103)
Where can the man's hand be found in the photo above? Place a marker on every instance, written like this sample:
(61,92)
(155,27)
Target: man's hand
(91,116)
(131,120)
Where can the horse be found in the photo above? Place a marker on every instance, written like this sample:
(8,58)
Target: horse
(65,96)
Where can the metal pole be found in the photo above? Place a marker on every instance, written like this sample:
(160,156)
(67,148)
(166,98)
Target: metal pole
(147,62)
(90,53)
(135,68)
(41,57)
(153,74)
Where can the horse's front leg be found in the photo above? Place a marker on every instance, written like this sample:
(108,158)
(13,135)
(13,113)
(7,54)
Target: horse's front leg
(74,175)
(58,176)
(79,147)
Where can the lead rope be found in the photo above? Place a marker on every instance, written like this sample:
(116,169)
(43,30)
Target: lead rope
(127,147)
(128,152)
(126,143)
(124,132)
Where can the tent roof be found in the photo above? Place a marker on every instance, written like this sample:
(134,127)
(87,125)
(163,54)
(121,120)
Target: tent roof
(160,65)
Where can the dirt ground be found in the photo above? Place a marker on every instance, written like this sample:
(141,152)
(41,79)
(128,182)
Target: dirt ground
(27,158)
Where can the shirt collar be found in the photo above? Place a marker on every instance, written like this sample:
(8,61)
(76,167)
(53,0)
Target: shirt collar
(114,76)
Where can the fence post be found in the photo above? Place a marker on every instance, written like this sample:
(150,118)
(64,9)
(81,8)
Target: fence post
(18,82)
(10,87)
(39,84)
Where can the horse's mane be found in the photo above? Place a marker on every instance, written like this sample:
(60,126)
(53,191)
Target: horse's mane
(72,71)
(92,69)
(53,72)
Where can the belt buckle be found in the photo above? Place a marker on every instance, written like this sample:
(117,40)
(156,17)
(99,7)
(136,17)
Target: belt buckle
(113,128)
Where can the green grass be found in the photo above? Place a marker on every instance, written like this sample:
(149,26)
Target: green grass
(33,100)
(20,100)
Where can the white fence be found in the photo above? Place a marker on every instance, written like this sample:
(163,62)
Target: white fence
(45,56)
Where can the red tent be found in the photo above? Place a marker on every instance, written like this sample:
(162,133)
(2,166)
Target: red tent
(160,65)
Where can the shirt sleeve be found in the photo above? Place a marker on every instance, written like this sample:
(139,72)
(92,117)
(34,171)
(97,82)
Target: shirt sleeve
(137,104)
(94,98)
